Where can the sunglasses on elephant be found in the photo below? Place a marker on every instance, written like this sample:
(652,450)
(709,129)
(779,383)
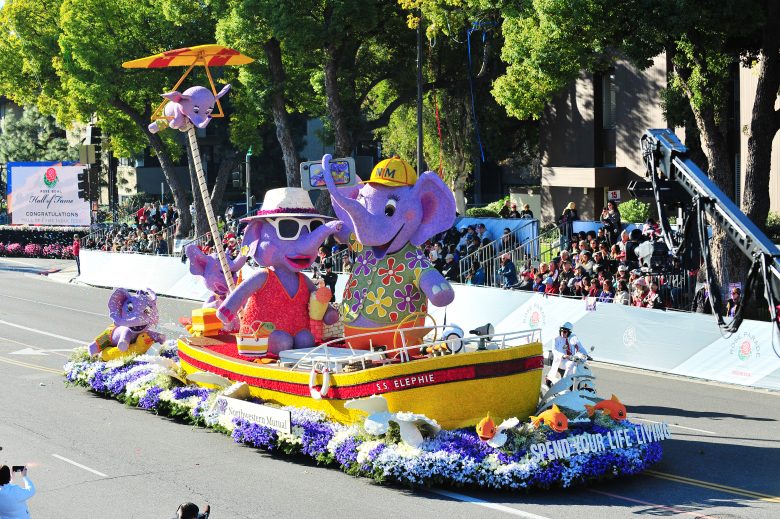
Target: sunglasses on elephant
(289,228)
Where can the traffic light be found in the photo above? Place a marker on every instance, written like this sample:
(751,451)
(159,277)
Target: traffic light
(236,176)
(83,184)
(95,137)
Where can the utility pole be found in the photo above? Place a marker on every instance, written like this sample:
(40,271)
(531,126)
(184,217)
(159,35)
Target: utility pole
(420,159)
(248,182)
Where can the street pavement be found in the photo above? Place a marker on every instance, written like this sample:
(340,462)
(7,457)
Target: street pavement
(94,457)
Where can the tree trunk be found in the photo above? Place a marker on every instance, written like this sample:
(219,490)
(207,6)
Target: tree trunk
(338,113)
(273,54)
(228,165)
(764,122)
(179,194)
(726,259)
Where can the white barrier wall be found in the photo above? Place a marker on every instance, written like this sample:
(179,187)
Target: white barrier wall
(671,342)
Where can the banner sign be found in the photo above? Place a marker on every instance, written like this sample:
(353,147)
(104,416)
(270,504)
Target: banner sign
(46,193)
(264,415)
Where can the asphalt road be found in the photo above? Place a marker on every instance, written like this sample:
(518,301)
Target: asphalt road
(94,457)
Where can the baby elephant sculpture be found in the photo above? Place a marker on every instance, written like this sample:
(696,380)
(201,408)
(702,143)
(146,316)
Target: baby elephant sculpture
(193,105)
(132,316)
(209,269)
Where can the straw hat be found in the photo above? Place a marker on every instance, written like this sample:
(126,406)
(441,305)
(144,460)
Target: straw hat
(286,201)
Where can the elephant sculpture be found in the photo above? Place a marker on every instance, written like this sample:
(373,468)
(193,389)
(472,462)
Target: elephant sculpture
(194,105)
(391,216)
(133,315)
(283,238)
(208,267)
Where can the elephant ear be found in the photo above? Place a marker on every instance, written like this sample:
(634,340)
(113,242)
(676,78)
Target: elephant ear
(198,260)
(438,207)
(251,238)
(116,302)
(175,96)
(152,294)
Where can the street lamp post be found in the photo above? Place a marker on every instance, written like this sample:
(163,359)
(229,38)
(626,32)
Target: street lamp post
(248,181)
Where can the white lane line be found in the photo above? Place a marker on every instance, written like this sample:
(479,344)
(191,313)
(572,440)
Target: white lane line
(35,330)
(678,426)
(21,263)
(487,504)
(3,296)
(79,465)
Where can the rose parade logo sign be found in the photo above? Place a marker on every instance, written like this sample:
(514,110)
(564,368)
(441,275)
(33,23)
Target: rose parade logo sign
(534,316)
(50,178)
(745,346)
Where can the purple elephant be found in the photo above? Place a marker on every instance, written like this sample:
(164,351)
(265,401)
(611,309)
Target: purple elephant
(208,267)
(194,105)
(132,316)
(284,238)
(391,216)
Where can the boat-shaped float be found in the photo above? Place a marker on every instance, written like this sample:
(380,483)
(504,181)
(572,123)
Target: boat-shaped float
(500,374)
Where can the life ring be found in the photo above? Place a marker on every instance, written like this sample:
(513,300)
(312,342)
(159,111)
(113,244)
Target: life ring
(319,393)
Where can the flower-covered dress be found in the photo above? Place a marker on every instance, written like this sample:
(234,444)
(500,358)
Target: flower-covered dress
(382,294)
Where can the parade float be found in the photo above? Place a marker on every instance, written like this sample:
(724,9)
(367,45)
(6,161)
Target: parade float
(394,395)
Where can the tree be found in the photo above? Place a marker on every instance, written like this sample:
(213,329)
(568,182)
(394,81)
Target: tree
(65,56)
(548,43)
(34,137)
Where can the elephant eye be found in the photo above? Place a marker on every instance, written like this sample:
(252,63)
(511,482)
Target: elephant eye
(196,109)
(130,307)
(390,207)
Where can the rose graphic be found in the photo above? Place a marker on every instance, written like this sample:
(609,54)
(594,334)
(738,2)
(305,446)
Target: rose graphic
(744,350)
(50,177)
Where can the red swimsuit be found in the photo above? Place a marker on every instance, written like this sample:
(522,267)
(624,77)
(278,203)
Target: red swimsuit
(272,304)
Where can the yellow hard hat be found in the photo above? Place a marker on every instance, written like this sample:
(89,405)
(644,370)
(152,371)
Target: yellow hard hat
(393,172)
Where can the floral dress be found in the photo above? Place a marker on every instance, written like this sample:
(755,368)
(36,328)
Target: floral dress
(385,291)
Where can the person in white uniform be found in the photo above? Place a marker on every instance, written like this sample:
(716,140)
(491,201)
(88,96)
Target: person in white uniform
(567,344)
(13,498)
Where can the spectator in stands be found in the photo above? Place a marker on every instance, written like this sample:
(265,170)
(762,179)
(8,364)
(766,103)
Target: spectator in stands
(526,213)
(538,285)
(466,237)
(566,222)
(607,295)
(506,209)
(508,241)
(161,248)
(564,290)
(436,260)
(653,298)
(701,301)
(734,303)
(651,229)
(550,288)
(476,274)
(526,281)
(635,237)
(610,217)
(588,288)
(451,269)
(640,293)
(508,271)
(586,263)
(513,212)
(622,296)
(566,273)
(330,278)
(483,233)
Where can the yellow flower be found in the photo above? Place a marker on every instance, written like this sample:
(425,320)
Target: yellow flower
(378,302)
(354,244)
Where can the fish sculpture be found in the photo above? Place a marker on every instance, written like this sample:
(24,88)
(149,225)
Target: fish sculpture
(492,435)
(612,408)
(553,418)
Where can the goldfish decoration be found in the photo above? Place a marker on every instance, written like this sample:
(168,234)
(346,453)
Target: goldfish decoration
(554,418)
(612,408)
(492,435)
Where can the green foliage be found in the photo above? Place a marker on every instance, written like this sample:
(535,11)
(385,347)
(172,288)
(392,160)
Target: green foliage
(634,211)
(497,205)
(773,226)
(34,137)
(481,212)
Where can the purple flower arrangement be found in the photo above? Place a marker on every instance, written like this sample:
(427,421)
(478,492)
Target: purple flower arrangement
(451,458)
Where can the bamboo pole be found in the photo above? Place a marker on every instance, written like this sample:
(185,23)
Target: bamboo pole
(206,197)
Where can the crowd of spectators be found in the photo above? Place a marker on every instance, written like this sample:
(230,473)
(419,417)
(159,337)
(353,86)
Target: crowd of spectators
(608,265)
(148,235)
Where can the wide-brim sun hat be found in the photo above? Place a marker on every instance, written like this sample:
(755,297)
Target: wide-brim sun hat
(286,201)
